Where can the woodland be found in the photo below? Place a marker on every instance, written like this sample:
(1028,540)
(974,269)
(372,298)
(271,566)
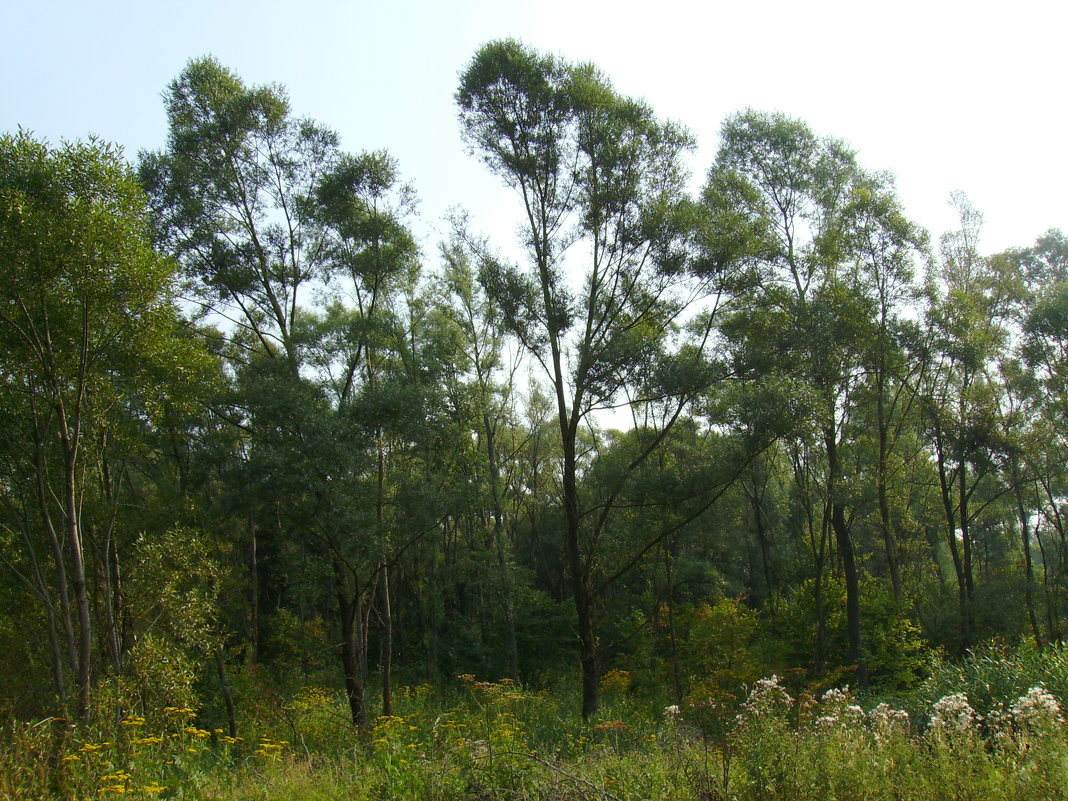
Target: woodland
(754,492)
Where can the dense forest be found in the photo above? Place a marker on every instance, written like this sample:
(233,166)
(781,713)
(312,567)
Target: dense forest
(257,440)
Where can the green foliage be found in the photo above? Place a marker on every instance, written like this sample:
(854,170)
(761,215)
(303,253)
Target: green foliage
(719,658)
(896,652)
(174,590)
(827,472)
(993,676)
(500,740)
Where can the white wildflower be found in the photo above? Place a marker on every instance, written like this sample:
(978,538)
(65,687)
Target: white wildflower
(836,698)
(672,713)
(953,715)
(884,720)
(854,715)
(1038,711)
(825,723)
(767,696)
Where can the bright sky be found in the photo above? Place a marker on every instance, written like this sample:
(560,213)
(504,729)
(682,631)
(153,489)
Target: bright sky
(946,95)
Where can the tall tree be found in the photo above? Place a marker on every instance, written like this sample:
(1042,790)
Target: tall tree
(230,196)
(827,255)
(86,320)
(259,207)
(491,401)
(971,302)
(600,181)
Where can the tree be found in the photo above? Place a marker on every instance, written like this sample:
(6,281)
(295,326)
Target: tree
(259,207)
(970,305)
(826,254)
(231,197)
(86,320)
(597,171)
(489,403)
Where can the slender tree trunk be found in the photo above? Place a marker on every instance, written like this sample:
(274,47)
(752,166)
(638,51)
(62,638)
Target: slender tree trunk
(387,645)
(62,580)
(580,587)
(254,593)
(1025,542)
(81,596)
(502,548)
(1051,626)
(951,538)
(50,615)
(881,479)
(57,657)
(227,693)
(882,469)
(755,501)
(676,670)
(966,544)
(114,604)
(387,612)
(821,620)
(844,542)
(352,666)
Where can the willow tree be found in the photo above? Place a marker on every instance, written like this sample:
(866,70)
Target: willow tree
(266,215)
(828,254)
(605,226)
(86,329)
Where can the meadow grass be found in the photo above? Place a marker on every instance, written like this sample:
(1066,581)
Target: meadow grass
(499,740)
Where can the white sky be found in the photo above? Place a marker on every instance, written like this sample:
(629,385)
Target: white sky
(946,95)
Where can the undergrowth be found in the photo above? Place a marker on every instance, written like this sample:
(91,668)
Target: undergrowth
(500,741)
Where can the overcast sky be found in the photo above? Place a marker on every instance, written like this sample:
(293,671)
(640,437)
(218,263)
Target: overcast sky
(946,95)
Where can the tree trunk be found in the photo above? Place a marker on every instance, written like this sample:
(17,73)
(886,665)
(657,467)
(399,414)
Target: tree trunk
(502,548)
(756,503)
(254,593)
(580,586)
(966,545)
(1025,542)
(113,603)
(351,664)
(676,669)
(889,543)
(845,552)
(81,595)
(62,580)
(227,693)
(951,538)
(387,612)
(387,645)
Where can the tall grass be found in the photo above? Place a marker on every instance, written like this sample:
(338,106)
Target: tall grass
(987,739)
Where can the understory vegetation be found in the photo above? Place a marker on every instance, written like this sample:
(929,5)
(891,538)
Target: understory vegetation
(498,740)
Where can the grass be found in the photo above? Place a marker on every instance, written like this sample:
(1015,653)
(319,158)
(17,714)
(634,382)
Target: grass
(497,740)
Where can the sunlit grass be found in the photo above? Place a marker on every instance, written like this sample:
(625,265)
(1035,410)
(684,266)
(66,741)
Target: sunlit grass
(499,740)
